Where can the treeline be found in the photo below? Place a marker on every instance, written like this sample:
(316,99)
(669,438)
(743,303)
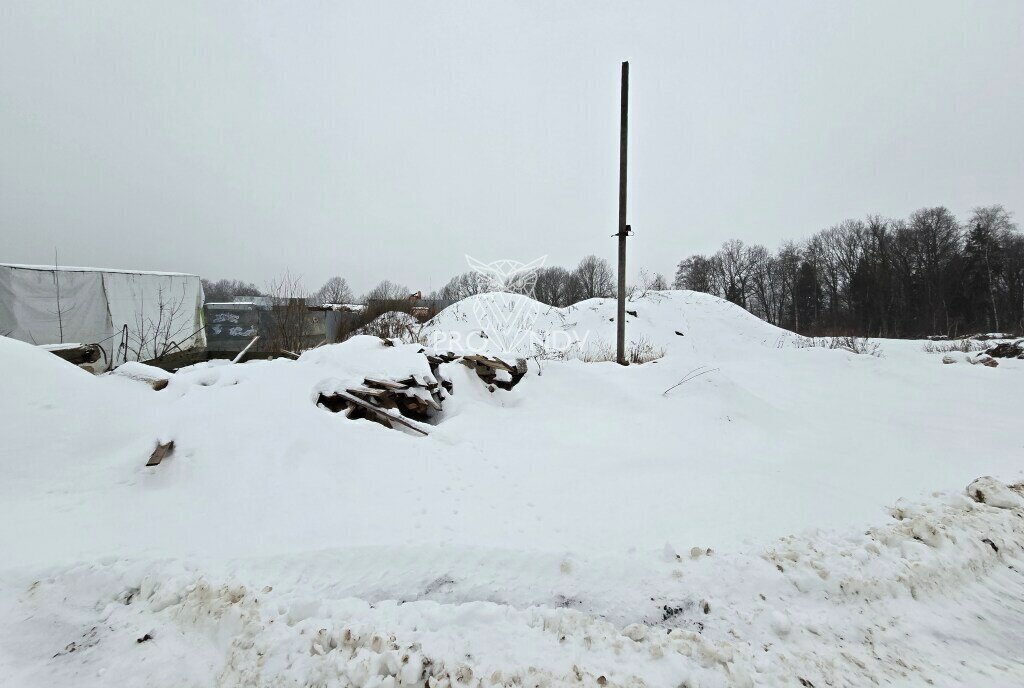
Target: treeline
(929,274)
(225,290)
(593,277)
(334,290)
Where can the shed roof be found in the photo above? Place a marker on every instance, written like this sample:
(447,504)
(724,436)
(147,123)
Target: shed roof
(69,268)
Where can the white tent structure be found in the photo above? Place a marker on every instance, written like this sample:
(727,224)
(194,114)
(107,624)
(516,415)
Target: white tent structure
(133,315)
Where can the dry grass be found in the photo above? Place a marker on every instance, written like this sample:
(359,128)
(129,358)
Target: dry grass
(638,351)
(854,345)
(965,346)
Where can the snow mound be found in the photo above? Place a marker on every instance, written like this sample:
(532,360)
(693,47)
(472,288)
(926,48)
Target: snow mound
(393,324)
(988,490)
(671,320)
(720,516)
(930,599)
(57,420)
(31,371)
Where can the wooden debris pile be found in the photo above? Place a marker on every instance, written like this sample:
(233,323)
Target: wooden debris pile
(496,372)
(78,354)
(149,375)
(418,397)
(1007,350)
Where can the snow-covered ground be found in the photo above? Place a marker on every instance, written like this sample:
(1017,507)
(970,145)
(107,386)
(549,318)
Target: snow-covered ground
(793,515)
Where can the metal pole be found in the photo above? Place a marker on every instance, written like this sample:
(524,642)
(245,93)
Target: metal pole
(620,335)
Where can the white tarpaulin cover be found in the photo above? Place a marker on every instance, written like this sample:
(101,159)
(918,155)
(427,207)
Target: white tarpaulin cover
(47,305)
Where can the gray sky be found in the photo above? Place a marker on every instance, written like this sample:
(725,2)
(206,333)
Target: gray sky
(387,140)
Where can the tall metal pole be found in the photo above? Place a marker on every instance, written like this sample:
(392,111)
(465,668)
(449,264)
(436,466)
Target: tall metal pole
(620,334)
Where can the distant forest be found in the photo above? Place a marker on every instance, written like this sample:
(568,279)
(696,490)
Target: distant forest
(929,274)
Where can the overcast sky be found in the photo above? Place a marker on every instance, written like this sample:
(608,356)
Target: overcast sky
(387,140)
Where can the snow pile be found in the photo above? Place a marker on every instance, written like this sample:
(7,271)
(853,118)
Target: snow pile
(56,420)
(496,323)
(723,515)
(393,324)
(988,490)
(931,599)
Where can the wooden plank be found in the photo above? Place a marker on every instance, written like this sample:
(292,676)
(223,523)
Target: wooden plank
(156,383)
(76,353)
(367,391)
(161,452)
(380,412)
(243,352)
(489,362)
(387,384)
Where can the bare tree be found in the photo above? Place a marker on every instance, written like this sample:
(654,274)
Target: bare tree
(733,264)
(991,227)
(657,282)
(553,286)
(290,318)
(335,290)
(593,278)
(938,240)
(788,257)
(764,283)
(696,273)
(387,296)
(878,276)
(462,286)
(647,282)
(389,291)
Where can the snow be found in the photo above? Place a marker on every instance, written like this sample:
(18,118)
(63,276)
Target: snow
(392,324)
(59,347)
(988,490)
(795,513)
(69,268)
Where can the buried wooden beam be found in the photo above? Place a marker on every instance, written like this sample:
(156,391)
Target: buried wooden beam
(161,452)
(384,384)
(496,363)
(243,352)
(380,412)
(156,383)
(77,354)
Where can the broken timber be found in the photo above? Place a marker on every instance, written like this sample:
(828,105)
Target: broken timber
(243,352)
(379,411)
(161,452)
(418,397)
(495,371)
(78,354)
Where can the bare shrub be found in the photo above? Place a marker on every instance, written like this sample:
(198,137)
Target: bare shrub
(853,345)
(637,351)
(385,299)
(598,352)
(965,346)
(393,325)
(643,351)
(150,338)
